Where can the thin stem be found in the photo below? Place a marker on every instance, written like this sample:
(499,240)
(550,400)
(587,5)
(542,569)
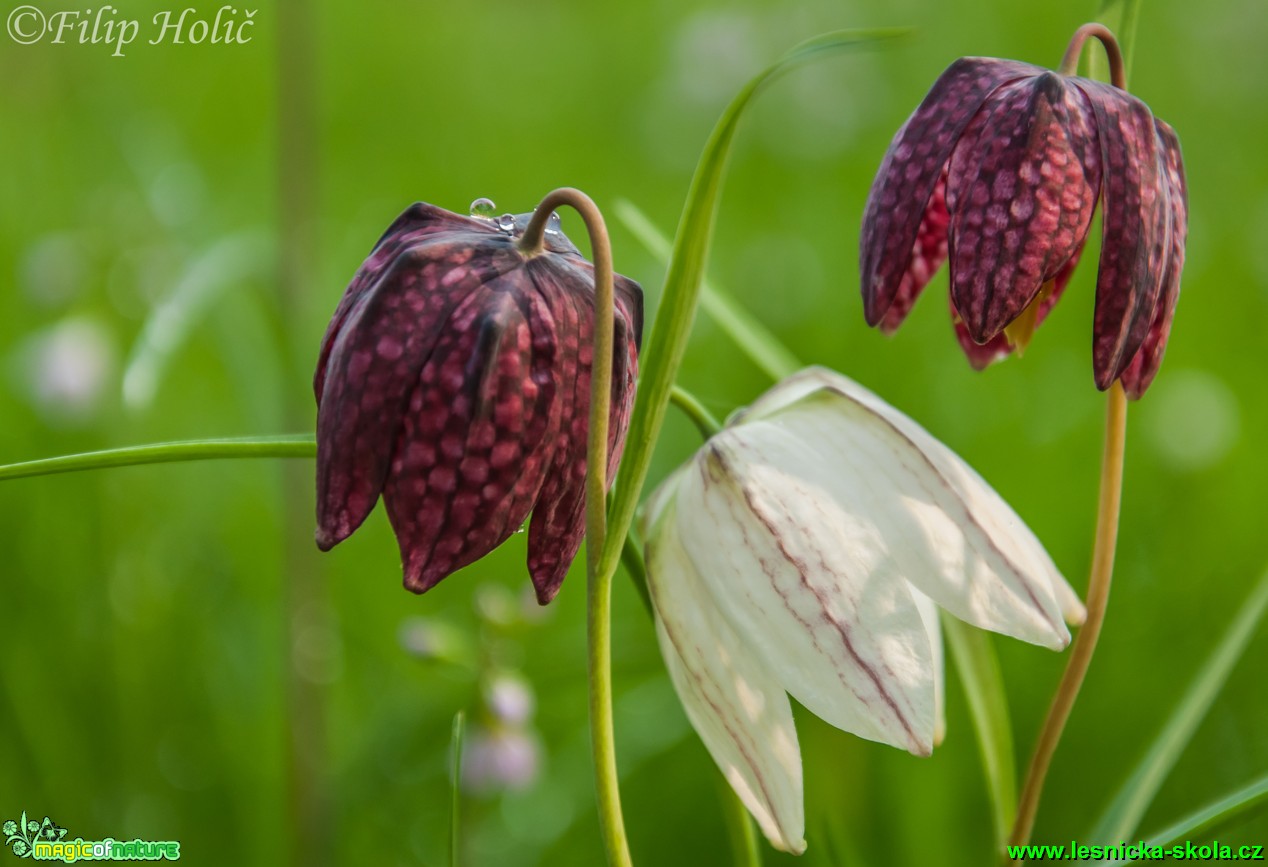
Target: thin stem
(455,795)
(1070,62)
(297,446)
(599,581)
(1110,500)
(694,410)
(632,558)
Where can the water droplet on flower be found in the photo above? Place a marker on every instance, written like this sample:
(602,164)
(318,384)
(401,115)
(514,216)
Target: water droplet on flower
(554,224)
(506,222)
(483,208)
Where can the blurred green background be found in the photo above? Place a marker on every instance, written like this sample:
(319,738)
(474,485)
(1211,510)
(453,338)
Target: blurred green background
(177,661)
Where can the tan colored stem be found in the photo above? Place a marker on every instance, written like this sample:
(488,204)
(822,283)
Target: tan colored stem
(1110,501)
(1070,62)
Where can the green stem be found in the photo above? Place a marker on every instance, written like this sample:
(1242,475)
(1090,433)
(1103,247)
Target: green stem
(295,446)
(632,559)
(694,410)
(599,583)
(739,826)
(455,795)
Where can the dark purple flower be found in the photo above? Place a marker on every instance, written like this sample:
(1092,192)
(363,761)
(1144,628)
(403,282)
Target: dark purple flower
(454,381)
(999,170)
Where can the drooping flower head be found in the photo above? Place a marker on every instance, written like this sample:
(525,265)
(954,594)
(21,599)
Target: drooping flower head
(454,381)
(999,171)
(805,550)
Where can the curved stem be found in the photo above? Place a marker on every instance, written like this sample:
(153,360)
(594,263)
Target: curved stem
(1070,62)
(1110,500)
(694,410)
(297,446)
(599,581)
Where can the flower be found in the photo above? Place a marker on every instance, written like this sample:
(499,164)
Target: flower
(454,380)
(804,550)
(999,170)
(10,828)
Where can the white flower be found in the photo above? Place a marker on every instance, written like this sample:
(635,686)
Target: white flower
(802,551)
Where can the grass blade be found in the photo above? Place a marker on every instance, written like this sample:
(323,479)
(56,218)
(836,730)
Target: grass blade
(455,785)
(225,263)
(755,339)
(978,666)
(1213,817)
(1123,816)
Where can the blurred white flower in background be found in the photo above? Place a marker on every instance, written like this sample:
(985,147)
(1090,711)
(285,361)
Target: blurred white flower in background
(503,753)
(804,550)
(66,369)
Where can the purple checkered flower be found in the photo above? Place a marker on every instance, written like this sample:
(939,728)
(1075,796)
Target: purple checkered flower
(454,381)
(998,172)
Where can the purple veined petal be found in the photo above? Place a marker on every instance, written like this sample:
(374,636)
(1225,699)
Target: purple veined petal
(417,222)
(1135,227)
(807,583)
(942,526)
(983,355)
(373,365)
(468,464)
(926,258)
(911,169)
(1021,187)
(558,522)
(980,355)
(1144,366)
(733,699)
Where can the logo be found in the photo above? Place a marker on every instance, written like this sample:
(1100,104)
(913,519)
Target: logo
(46,841)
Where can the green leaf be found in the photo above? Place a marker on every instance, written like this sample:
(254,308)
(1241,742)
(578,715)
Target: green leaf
(978,666)
(739,825)
(290,446)
(758,342)
(1123,816)
(1213,817)
(665,345)
(455,785)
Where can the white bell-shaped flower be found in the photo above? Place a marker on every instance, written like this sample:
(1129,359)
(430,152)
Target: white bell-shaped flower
(803,551)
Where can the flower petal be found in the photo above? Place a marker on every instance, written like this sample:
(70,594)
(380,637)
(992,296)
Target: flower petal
(558,523)
(1140,373)
(948,532)
(910,171)
(809,584)
(417,222)
(469,463)
(1021,187)
(372,367)
(929,616)
(999,347)
(732,698)
(926,258)
(1135,242)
